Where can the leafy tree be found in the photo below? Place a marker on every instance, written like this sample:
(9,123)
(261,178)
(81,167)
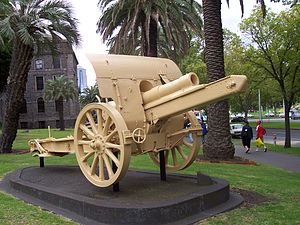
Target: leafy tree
(194,60)
(89,95)
(60,89)
(141,25)
(234,54)
(275,48)
(27,24)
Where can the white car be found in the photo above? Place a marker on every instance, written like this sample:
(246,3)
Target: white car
(269,114)
(236,129)
(295,115)
(281,115)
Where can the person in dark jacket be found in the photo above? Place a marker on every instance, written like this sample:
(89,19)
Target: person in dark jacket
(247,136)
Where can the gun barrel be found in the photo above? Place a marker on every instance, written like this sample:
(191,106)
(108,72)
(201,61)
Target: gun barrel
(193,96)
(186,81)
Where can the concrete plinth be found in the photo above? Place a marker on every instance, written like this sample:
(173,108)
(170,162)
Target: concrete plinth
(143,198)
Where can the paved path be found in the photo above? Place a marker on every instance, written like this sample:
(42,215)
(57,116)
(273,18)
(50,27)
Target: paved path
(281,160)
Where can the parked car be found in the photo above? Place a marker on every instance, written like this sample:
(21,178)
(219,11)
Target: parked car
(281,115)
(250,115)
(295,115)
(238,119)
(269,114)
(236,130)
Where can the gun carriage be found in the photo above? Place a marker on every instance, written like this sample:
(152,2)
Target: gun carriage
(148,113)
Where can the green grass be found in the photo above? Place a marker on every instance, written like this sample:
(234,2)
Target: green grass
(279,184)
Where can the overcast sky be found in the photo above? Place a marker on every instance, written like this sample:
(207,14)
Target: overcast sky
(88,14)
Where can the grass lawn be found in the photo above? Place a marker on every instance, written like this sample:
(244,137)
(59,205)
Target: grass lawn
(279,184)
(278,125)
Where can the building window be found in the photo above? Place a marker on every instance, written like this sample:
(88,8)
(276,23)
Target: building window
(42,124)
(39,83)
(41,105)
(39,64)
(24,106)
(56,62)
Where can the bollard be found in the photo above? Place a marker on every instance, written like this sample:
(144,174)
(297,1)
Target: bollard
(274,138)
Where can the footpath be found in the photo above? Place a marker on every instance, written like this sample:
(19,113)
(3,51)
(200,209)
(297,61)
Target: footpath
(281,160)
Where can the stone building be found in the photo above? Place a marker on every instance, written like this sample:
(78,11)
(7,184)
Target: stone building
(36,112)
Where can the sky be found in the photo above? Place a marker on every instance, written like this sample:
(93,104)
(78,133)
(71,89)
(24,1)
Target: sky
(88,14)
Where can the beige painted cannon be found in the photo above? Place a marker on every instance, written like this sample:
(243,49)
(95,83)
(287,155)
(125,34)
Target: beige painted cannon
(148,114)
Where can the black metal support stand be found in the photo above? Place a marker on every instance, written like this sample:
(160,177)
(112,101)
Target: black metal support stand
(116,187)
(162,163)
(42,162)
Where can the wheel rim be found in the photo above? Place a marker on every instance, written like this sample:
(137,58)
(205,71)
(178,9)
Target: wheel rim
(99,146)
(182,155)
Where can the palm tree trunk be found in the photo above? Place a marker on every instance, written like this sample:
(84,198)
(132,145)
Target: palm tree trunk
(14,95)
(152,50)
(218,142)
(61,113)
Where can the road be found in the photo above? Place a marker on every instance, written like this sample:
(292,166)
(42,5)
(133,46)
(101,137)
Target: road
(280,136)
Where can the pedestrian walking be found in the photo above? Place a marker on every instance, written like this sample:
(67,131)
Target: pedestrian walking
(204,130)
(247,136)
(260,132)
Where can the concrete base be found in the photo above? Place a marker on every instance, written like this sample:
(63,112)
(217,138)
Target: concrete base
(143,197)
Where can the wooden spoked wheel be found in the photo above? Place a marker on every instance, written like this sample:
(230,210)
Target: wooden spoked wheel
(99,145)
(185,152)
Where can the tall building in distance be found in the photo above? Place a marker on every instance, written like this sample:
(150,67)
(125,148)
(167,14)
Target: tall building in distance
(36,111)
(82,80)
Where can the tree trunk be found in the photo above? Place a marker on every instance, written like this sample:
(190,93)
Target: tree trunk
(287,108)
(61,114)
(152,50)
(218,142)
(16,85)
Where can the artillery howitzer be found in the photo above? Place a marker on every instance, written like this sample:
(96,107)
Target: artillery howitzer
(148,114)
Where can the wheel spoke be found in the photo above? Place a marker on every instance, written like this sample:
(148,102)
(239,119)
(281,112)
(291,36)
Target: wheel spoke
(87,131)
(83,142)
(101,168)
(174,157)
(85,158)
(108,166)
(111,135)
(166,157)
(92,122)
(94,164)
(112,157)
(111,145)
(106,125)
(187,144)
(181,152)
(99,121)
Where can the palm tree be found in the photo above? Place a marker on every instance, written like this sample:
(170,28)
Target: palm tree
(140,23)
(27,24)
(60,89)
(89,95)
(218,142)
